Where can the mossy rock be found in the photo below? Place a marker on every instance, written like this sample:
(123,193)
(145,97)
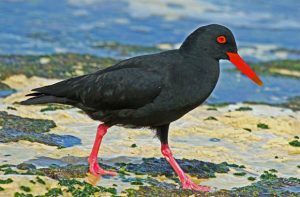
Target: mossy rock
(8,121)
(51,66)
(156,167)
(61,141)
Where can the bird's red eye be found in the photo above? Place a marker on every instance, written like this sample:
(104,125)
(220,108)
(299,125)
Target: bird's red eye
(221,39)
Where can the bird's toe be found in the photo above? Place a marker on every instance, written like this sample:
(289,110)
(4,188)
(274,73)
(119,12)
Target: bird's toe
(188,184)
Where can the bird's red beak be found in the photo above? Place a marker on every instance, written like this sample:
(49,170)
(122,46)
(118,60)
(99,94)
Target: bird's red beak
(236,59)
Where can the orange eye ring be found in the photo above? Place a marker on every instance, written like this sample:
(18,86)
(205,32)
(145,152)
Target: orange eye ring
(221,39)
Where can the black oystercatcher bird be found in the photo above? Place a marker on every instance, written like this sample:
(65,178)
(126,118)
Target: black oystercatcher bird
(150,90)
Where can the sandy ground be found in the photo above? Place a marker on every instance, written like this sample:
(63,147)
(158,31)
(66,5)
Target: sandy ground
(190,137)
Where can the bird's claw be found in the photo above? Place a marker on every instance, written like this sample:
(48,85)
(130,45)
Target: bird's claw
(95,169)
(188,184)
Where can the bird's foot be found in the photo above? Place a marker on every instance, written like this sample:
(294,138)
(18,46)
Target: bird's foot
(189,184)
(95,169)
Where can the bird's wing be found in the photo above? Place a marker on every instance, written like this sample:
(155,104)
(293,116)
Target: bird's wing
(128,85)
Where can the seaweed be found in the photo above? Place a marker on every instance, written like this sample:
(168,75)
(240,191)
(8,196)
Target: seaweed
(239,173)
(263,126)
(54,107)
(25,188)
(211,118)
(295,143)
(7,181)
(244,109)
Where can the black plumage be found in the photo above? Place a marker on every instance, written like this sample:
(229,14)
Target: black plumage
(150,90)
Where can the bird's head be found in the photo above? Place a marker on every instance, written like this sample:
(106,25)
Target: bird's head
(217,42)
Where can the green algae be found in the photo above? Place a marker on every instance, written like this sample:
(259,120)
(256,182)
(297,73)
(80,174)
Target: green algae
(11,108)
(212,109)
(247,129)
(244,109)
(263,126)
(8,121)
(40,180)
(133,146)
(6,181)
(211,118)
(54,107)
(54,192)
(251,178)
(25,188)
(216,105)
(295,143)
(239,174)
(83,189)
(51,66)
(268,176)
(233,165)
(32,181)
(273,170)
(17,194)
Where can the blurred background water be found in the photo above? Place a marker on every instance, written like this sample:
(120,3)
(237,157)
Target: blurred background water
(60,26)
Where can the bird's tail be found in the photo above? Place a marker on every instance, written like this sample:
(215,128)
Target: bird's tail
(39,98)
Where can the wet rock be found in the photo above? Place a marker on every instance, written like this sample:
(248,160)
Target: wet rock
(69,171)
(51,66)
(61,141)
(15,128)
(162,189)
(274,186)
(25,166)
(8,121)
(5,90)
(66,172)
(155,167)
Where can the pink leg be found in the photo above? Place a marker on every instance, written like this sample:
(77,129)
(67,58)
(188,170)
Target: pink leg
(184,179)
(94,168)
